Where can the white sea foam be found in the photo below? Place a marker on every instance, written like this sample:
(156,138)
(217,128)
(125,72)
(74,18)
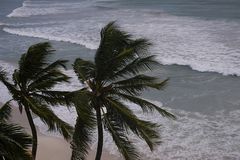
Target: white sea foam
(55,33)
(192,136)
(35,8)
(5,96)
(27,10)
(177,40)
(203,45)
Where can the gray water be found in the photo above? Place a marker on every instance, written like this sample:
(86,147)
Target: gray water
(207,9)
(197,41)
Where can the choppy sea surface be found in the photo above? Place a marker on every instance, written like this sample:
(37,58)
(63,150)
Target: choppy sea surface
(196,41)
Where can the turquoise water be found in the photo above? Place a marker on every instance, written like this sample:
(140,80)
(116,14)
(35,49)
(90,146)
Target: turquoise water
(197,41)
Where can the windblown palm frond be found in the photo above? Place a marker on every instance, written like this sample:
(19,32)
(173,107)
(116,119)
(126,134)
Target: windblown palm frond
(125,146)
(32,88)
(143,129)
(84,125)
(34,60)
(117,75)
(5,112)
(14,142)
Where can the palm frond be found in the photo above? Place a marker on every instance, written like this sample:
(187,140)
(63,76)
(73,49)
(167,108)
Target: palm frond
(34,60)
(48,80)
(128,86)
(123,144)
(117,73)
(138,65)
(14,142)
(145,105)
(11,88)
(112,65)
(85,125)
(140,46)
(32,88)
(53,66)
(81,139)
(116,49)
(5,111)
(57,94)
(16,78)
(113,41)
(53,97)
(49,118)
(138,79)
(144,129)
(132,50)
(85,70)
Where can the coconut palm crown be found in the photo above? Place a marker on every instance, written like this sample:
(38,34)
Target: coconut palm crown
(115,76)
(14,142)
(32,88)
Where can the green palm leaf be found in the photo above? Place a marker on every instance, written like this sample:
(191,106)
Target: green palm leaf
(145,105)
(49,118)
(32,89)
(3,78)
(53,97)
(5,111)
(124,145)
(84,69)
(34,60)
(55,65)
(14,142)
(138,65)
(85,125)
(116,75)
(48,80)
(143,129)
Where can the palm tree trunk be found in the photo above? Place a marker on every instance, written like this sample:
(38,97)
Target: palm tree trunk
(34,133)
(100,134)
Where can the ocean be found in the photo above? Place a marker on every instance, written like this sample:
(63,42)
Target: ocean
(196,41)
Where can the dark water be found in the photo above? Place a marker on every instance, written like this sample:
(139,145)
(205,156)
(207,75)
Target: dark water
(210,9)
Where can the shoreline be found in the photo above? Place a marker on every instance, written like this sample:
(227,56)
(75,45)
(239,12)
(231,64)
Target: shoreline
(50,147)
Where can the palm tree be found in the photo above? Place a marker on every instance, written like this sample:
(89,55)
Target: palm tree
(115,76)
(14,142)
(31,88)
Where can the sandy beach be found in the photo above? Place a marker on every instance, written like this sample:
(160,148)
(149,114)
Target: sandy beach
(52,148)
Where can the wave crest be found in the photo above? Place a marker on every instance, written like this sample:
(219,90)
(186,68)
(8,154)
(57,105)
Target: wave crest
(177,40)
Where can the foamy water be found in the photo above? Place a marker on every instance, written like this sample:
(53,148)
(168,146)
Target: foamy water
(204,45)
(192,136)
(8,68)
(33,8)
